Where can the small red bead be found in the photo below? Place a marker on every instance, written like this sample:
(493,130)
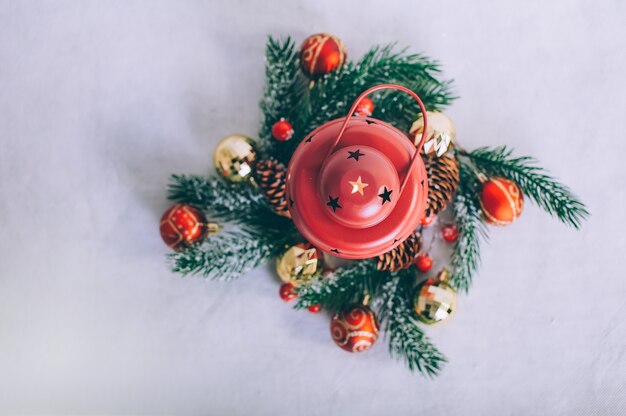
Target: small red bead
(450,233)
(282,130)
(426,221)
(424,263)
(365,107)
(287,292)
(315,308)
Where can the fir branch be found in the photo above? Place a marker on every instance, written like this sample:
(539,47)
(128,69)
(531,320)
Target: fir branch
(224,200)
(554,197)
(332,95)
(465,257)
(284,88)
(228,256)
(407,341)
(345,285)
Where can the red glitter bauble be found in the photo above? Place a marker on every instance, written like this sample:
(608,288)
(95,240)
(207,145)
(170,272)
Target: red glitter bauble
(450,233)
(182,225)
(365,107)
(315,308)
(320,54)
(282,130)
(354,329)
(424,263)
(287,292)
(426,221)
(501,201)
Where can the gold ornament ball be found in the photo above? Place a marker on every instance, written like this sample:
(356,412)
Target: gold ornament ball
(234,157)
(435,300)
(299,263)
(440,135)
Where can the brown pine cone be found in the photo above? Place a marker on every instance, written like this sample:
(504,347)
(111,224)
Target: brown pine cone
(271,176)
(443,181)
(401,257)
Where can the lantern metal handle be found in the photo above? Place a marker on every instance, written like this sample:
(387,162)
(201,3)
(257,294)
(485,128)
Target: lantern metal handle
(356,104)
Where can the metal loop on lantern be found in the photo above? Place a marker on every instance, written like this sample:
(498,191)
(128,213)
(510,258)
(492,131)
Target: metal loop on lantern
(356,104)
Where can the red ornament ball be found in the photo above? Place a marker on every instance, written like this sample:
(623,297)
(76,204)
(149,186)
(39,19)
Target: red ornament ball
(287,292)
(365,107)
(282,130)
(424,263)
(450,233)
(182,225)
(315,308)
(501,201)
(320,54)
(354,329)
(426,221)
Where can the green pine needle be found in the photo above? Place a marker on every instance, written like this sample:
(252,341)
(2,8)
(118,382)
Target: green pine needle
(227,256)
(343,286)
(307,106)
(554,197)
(407,341)
(465,257)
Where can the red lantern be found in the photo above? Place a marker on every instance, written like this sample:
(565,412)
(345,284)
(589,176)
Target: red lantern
(357,186)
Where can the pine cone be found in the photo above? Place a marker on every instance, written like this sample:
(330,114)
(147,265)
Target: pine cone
(443,181)
(271,176)
(401,257)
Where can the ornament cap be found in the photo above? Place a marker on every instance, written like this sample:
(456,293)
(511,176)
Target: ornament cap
(444,275)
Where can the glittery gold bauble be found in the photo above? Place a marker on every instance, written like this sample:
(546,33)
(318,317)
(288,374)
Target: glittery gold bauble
(435,300)
(299,263)
(234,157)
(440,135)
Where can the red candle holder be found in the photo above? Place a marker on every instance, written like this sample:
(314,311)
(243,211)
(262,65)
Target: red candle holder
(356,185)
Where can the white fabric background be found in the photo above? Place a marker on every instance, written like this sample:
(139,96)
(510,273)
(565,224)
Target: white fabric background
(101,101)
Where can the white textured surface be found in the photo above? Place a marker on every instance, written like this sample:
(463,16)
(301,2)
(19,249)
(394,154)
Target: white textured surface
(101,101)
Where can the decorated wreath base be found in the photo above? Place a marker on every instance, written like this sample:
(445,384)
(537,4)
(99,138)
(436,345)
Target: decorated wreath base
(397,291)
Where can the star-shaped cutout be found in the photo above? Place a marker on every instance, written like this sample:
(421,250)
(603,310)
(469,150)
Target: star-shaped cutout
(358,186)
(291,202)
(309,140)
(333,203)
(334,250)
(355,155)
(370,122)
(386,195)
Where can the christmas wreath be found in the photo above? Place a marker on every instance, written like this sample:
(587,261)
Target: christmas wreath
(259,210)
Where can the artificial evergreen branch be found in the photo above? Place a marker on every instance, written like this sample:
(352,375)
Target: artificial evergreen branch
(332,95)
(284,89)
(345,285)
(223,200)
(407,342)
(465,257)
(554,197)
(237,203)
(286,93)
(229,255)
